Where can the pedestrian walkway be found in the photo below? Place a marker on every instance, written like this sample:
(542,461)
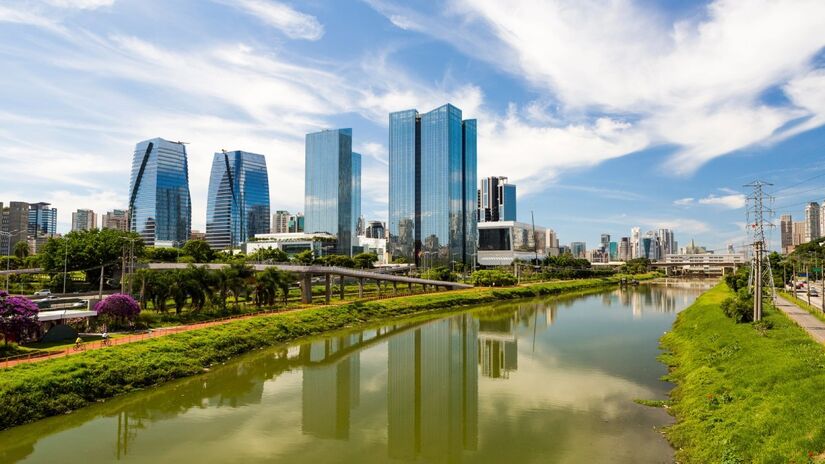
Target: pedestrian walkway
(806,320)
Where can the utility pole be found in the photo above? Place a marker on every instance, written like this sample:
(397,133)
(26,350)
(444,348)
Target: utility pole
(758,218)
(65,261)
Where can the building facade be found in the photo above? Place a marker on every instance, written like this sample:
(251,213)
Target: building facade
(786,233)
(502,242)
(578,249)
(432,180)
(280,222)
(117,219)
(42,220)
(84,219)
(159,203)
(812,226)
(496,200)
(296,223)
(238,204)
(649,246)
(635,238)
(624,249)
(375,229)
(329,191)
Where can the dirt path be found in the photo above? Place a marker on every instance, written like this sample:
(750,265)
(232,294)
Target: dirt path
(806,320)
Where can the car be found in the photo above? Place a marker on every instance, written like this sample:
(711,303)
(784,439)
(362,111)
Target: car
(814,292)
(44,292)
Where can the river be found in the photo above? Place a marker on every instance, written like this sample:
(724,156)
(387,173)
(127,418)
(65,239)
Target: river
(539,380)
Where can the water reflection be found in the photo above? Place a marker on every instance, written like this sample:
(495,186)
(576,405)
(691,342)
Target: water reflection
(449,389)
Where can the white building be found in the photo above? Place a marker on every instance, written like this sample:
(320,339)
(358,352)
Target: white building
(293,243)
(502,242)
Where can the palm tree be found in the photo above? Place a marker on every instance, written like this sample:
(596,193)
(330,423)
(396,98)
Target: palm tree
(240,279)
(200,283)
(286,280)
(222,279)
(266,288)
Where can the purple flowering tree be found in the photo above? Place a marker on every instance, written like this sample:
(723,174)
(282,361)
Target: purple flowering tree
(18,317)
(119,307)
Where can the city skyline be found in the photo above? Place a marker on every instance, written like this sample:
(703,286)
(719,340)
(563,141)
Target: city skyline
(671,149)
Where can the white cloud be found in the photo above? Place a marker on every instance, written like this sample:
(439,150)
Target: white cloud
(684,201)
(680,225)
(81,4)
(695,83)
(735,201)
(20,16)
(292,23)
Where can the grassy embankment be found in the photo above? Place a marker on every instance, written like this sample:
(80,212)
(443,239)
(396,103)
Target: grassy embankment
(32,391)
(742,396)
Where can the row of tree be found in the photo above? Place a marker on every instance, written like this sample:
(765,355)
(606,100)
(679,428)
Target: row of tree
(200,287)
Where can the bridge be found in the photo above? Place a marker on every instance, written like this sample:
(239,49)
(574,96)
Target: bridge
(307,273)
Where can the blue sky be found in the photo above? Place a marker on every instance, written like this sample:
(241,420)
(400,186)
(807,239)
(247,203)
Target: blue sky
(607,114)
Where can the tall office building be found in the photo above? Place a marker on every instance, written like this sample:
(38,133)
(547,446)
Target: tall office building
(649,246)
(786,232)
(84,219)
(432,177)
(578,249)
(330,193)
(605,242)
(117,219)
(160,208)
(358,225)
(613,251)
(551,241)
(798,233)
(15,222)
(238,204)
(296,223)
(635,238)
(624,249)
(812,231)
(667,242)
(496,200)
(42,220)
(280,222)
(375,229)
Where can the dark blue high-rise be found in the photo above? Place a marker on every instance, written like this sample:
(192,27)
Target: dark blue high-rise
(160,209)
(237,207)
(432,176)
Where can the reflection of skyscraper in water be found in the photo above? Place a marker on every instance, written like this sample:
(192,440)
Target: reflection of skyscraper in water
(331,387)
(498,346)
(432,391)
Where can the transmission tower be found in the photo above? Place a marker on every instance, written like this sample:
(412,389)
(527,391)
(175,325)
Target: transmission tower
(758,219)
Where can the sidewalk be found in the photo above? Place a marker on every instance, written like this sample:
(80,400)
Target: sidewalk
(806,320)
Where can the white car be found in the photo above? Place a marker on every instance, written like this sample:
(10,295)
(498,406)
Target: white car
(44,292)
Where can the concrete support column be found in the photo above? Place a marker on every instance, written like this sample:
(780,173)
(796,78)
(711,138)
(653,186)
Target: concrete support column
(306,289)
(328,288)
(341,283)
(378,284)
(409,284)
(395,287)
(361,288)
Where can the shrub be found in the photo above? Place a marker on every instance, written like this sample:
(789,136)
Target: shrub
(18,317)
(739,307)
(492,278)
(119,307)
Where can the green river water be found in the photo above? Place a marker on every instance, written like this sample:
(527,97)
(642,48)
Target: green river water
(541,380)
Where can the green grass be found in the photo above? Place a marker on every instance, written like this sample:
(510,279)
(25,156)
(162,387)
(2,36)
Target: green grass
(741,396)
(32,391)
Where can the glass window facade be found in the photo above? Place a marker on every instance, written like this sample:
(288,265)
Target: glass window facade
(432,175)
(356,193)
(42,220)
(238,203)
(329,190)
(159,202)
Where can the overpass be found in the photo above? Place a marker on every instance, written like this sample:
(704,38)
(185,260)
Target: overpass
(307,273)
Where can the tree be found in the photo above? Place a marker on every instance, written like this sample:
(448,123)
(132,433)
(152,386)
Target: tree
(439,273)
(21,249)
(365,260)
(337,260)
(492,278)
(269,254)
(201,281)
(18,317)
(162,255)
(199,250)
(240,280)
(304,257)
(86,250)
(118,307)
(266,288)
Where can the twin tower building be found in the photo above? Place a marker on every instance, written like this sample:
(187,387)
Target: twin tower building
(432,190)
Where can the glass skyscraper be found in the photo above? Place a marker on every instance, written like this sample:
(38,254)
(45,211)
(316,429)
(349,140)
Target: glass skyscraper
(42,220)
(238,204)
(332,186)
(432,175)
(159,204)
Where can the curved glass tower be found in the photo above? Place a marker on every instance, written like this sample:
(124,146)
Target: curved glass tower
(160,209)
(238,204)
(432,174)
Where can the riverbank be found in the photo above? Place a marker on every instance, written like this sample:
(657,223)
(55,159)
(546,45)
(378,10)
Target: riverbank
(33,391)
(741,396)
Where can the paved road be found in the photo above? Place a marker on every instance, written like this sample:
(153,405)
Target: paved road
(806,320)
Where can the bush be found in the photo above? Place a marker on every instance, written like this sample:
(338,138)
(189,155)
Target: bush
(439,273)
(739,307)
(492,278)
